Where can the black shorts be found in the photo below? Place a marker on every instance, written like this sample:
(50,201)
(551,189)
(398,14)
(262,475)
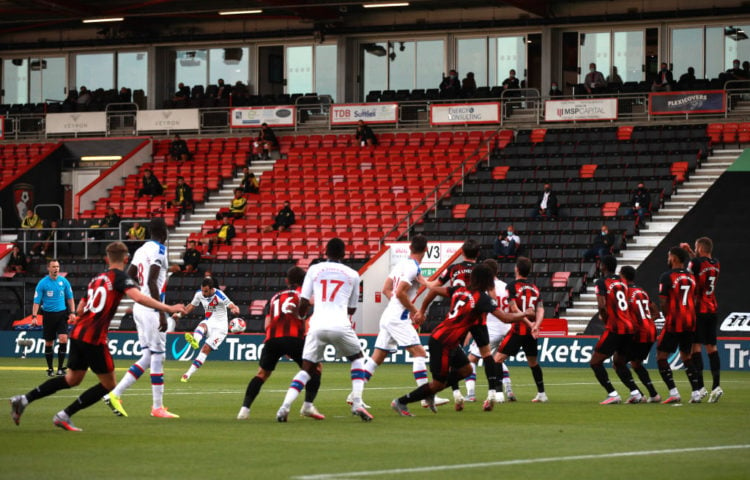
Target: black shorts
(443,360)
(669,341)
(513,342)
(640,351)
(481,335)
(54,324)
(276,348)
(610,342)
(83,356)
(705,329)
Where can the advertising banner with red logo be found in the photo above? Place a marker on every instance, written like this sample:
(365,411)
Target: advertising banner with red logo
(590,109)
(352,113)
(254,117)
(464,113)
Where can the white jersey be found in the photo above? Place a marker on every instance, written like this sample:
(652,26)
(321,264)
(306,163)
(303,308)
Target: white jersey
(405,271)
(333,288)
(151,253)
(495,326)
(214,306)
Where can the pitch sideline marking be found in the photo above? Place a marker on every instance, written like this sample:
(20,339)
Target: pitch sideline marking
(435,468)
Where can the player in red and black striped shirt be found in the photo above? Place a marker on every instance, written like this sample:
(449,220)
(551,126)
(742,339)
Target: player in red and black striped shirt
(285,336)
(458,274)
(706,270)
(641,307)
(617,339)
(522,296)
(677,299)
(448,361)
(88,345)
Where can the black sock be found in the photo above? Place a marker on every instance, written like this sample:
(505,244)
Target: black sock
(666,373)
(715,362)
(252,391)
(61,349)
(538,378)
(47,388)
(692,375)
(87,398)
(312,387)
(490,369)
(601,375)
(697,360)
(420,393)
(645,379)
(452,381)
(49,353)
(623,372)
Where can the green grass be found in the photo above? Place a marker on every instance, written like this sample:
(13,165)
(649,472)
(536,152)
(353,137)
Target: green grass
(208,442)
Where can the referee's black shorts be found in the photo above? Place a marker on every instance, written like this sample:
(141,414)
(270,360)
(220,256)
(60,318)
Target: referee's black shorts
(54,324)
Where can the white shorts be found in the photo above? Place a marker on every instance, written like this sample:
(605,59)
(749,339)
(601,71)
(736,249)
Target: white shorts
(342,338)
(497,331)
(216,332)
(147,324)
(396,333)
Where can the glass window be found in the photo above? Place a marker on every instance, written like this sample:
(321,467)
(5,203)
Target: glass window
(687,51)
(15,81)
(430,55)
(402,65)
(47,77)
(191,68)
(325,70)
(736,49)
(595,48)
(375,66)
(510,54)
(299,70)
(132,71)
(628,56)
(95,70)
(472,57)
(230,64)
(713,56)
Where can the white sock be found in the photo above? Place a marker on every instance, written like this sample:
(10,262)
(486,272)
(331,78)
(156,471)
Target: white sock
(298,383)
(134,373)
(157,379)
(358,382)
(471,384)
(370,367)
(197,363)
(199,333)
(674,392)
(419,368)
(506,375)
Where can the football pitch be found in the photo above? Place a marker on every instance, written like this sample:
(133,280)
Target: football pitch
(569,437)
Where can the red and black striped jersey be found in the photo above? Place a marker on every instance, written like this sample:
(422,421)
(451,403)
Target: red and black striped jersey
(677,286)
(459,274)
(615,293)
(102,298)
(468,309)
(706,271)
(284,317)
(525,295)
(639,304)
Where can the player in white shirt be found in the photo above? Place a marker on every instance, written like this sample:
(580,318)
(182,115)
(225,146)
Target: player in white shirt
(400,316)
(497,330)
(334,289)
(149,268)
(213,327)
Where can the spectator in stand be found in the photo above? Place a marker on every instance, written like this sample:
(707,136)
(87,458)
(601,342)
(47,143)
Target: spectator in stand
(237,206)
(249,183)
(284,220)
(182,93)
(84,97)
(183,195)
(450,87)
(601,246)
(264,143)
(554,90)
(110,220)
(364,135)
(240,93)
(512,82)
(736,73)
(746,68)
(150,184)
(222,235)
(687,80)
(614,80)
(663,80)
(641,202)
(17,262)
(178,149)
(190,259)
(469,85)
(507,243)
(136,232)
(47,240)
(31,220)
(125,96)
(224,90)
(594,82)
(547,204)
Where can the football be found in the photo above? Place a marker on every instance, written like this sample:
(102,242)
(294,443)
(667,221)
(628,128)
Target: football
(237,325)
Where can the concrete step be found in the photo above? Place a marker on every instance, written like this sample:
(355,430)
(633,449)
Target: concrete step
(643,242)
